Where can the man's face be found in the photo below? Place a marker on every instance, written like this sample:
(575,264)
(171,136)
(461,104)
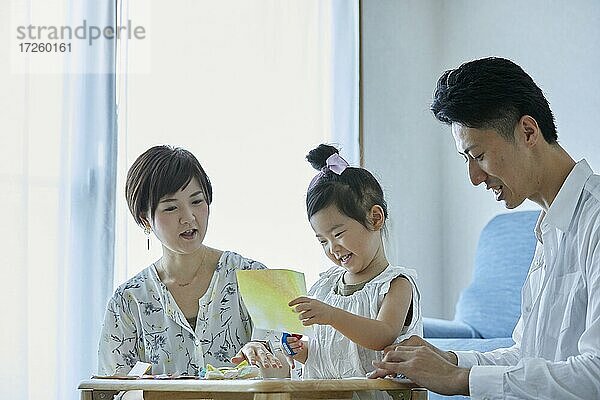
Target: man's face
(495,161)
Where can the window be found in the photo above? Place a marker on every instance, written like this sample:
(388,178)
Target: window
(248,88)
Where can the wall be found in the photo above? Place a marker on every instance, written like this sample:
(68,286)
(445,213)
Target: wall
(250,106)
(557,45)
(401,142)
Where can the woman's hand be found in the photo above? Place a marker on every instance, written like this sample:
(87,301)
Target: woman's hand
(257,354)
(313,311)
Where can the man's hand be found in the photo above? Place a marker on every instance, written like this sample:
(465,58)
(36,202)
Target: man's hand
(313,311)
(419,341)
(257,354)
(424,364)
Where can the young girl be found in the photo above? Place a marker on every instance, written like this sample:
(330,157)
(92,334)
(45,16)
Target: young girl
(184,310)
(362,304)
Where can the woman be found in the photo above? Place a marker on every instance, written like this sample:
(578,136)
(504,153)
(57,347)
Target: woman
(184,310)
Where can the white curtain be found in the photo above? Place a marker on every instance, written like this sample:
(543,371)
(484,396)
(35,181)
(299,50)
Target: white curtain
(58,171)
(345,78)
(87,199)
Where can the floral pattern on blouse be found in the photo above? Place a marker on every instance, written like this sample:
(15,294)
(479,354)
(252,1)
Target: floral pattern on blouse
(144,323)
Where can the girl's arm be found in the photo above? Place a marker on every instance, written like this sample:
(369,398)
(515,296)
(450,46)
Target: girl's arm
(373,334)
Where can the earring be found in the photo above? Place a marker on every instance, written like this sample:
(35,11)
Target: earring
(147,232)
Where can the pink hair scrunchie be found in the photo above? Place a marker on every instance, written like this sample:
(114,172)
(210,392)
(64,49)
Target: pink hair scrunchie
(334,163)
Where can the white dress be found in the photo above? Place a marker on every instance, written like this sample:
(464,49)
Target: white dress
(332,355)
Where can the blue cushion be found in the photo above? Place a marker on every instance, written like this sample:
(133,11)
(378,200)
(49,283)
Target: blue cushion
(491,305)
(471,344)
(435,396)
(443,328)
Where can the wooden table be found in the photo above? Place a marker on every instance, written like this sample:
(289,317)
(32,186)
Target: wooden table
(269,389)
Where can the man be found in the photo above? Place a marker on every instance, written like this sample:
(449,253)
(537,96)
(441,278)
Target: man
(504,128)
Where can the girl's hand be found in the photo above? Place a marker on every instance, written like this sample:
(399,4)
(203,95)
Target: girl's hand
(299,347)
(257,354)
(295,345)
(295,342)
(313,311)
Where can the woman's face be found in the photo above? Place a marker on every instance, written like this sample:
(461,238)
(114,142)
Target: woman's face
(181,219)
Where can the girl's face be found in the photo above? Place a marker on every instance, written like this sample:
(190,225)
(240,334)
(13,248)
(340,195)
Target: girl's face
(347,242)
(181,219)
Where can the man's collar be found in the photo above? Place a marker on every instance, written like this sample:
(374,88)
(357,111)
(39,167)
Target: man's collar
(562,208)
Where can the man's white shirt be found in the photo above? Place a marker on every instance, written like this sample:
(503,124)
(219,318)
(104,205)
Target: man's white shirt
(557,338)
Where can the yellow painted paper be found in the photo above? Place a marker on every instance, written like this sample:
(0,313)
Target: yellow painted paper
(266,294)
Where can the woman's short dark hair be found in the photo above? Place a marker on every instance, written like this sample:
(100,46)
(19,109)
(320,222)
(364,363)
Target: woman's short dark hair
(159,171)
(354,192)
(492,93)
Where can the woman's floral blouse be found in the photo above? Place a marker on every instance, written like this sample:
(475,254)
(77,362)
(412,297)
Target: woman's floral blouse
(143,323)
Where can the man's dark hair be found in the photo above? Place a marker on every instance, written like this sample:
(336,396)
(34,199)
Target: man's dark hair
(492,93)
